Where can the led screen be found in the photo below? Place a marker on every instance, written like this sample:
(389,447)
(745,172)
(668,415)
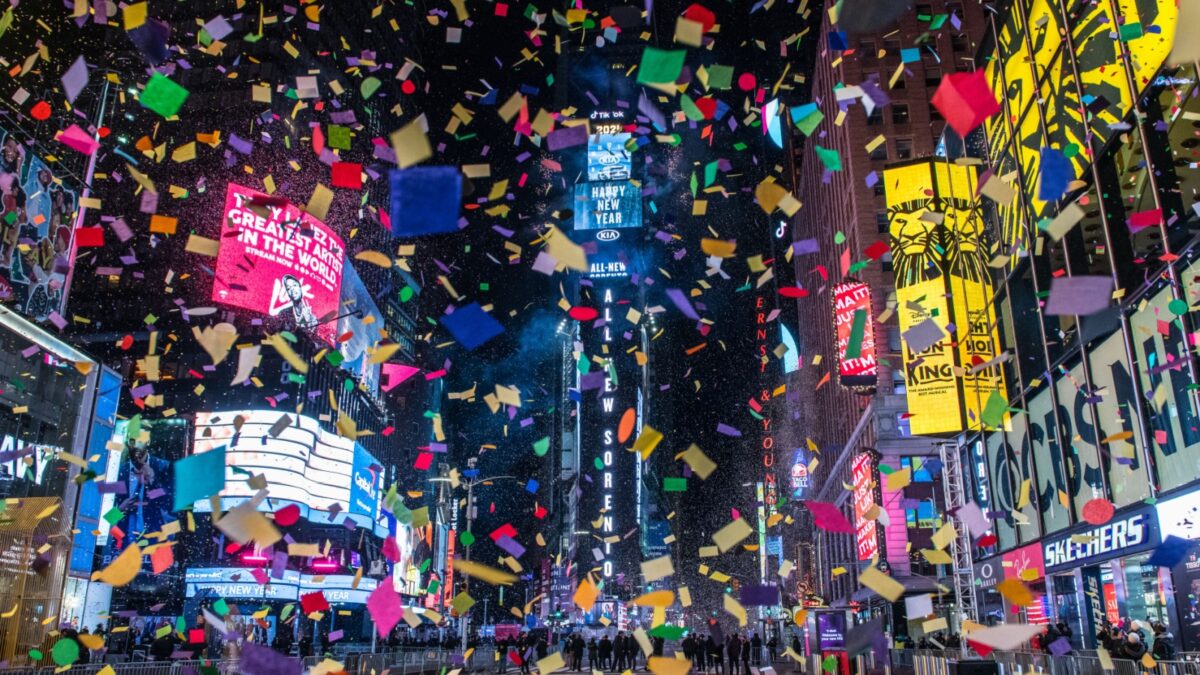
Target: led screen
(278,261)
(303,464)
(607,158)
(607,206)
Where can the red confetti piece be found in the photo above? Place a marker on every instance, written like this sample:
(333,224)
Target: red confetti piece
(1098,511)
(40,111)
(583,313)
(288,515)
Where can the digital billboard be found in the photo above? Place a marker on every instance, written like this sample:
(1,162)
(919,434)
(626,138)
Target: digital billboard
(852,322)
(607,206)
(1034,80)
(940,259)
(237,583)
(607,158)
(37,214)
(302,463)
(362,322)
(277,260)
(862,472)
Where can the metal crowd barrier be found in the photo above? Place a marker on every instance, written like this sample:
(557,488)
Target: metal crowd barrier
(930,662)
(182,667)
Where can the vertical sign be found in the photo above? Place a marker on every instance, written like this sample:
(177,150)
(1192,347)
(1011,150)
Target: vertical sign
(941,264)
(862,472)
(857,368)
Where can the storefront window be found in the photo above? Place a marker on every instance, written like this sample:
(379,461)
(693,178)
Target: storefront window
(1144,592)
(1118,411)
(1051,478)
(1084,481)
(1069,606)
(1161,353)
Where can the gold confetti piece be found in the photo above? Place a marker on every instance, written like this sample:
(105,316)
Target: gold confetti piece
(484,573)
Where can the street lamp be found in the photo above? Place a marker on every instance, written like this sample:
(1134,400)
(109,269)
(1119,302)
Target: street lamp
(462,624)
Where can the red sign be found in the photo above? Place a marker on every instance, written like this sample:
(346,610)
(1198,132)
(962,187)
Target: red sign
(276,260)
(861,471)
(851,305)
(448,591)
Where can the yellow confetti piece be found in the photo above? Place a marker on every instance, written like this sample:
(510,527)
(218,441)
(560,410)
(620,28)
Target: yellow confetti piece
(484,573)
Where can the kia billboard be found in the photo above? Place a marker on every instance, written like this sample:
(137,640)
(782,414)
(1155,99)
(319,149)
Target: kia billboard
(279,261)
(607,158)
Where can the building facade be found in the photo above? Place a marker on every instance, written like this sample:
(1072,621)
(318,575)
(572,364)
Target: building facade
(870,107)
(1103,408)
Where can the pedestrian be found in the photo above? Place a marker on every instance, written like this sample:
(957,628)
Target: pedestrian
(689,650)
(1132,648)
(715,655)
(577,652)
(772,648)
(606,649)
(1163,648)
(747,654)
(592,648)
(756,645)
(733,651)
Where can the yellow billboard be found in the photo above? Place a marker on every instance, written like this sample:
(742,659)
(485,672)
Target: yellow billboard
(1043,103)
(940,259)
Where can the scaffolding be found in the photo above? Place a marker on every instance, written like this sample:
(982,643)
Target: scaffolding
(960,547)
(35,545)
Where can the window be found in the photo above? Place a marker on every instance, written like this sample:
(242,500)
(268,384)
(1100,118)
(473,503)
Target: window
(899,113)
(880,153)
(904,148)
(879,190)
(959,42)
(875,118)
(901,83)
(891,44)
(935,115)
(924,11)
(933,76)
(881,222)
(867,47)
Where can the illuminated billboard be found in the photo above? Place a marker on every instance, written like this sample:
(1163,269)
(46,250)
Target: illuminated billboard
(319,471)
(862,472)
(607,206)
(607,158)
(1035,82)
(943,283)
(237,583)
(852,322)
(276,260)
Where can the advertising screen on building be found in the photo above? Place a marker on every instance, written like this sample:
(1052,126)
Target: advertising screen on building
(607,206)
(857,368)
(862,471)
(302,463)
(237,583)
(279,261)
(943,284)
(607,158)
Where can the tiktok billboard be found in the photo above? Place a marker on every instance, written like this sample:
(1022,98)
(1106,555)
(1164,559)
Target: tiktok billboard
(279,261)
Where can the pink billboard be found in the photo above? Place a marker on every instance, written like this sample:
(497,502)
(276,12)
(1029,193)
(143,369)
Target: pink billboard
(279,261)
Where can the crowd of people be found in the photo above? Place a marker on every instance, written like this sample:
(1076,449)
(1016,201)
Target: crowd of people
(1125,639)
(1129,640)
(734,655)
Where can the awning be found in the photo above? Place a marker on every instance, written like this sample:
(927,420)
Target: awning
(912,586)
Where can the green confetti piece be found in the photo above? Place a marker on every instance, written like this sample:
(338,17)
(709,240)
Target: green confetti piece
(466,538)
(369,86)
(690,111)
(839,237)
(720,77)
(993,411)
(660,66)
(36,655)
(424,566)
(668,631)
(163,96)
(65,652)
(406,294)
(113,516)
(1131,31)
(829,157)
(334,357)
(674,484)
(1178,306)
(859,325)
(694,184)
(339,137)
(221,607)
(541,446)
(710,173)
(598,464)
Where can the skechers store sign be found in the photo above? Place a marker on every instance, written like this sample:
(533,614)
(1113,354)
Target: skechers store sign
(1127,533)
